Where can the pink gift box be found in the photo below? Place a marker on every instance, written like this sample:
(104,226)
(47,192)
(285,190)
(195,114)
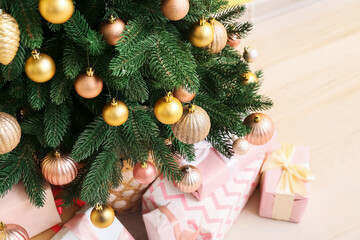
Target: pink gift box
(284,205)
(15,208)
(215,214)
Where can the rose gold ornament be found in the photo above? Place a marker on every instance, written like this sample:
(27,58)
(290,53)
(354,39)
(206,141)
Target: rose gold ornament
(233,41)
(220,36)
(250,54)
(144,172)
(240,146)
(13,232)
(9,38)
(111,30)
(10,133)
(262,128)
(191,180)
(59,169)
(184,95)
(88,85)
(175,9)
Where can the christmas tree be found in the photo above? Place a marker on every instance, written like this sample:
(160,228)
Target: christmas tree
(86,80)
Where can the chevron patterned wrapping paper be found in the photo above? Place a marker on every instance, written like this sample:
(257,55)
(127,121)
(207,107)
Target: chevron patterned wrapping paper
(216,213)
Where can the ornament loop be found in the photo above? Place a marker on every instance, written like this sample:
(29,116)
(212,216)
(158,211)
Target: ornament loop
(144,165)
(1,11)
(202,21)
(2,226)
(169,97)
(246,49)
(99,207)
(35,54)
(257,118)
(90,72)
(57,154)
(211,20)
(113,102)
(112,19)
(191,108)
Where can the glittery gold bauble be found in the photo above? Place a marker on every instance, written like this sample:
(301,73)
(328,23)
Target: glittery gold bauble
(249,77)
(240,146)
(250,54)
(175,9)
(184,95)
(59,169)
(88,85)
(193,126)
(191,180)
(168,109)
(220,36)
(201,33)
(111,30)
(9,38)
(102,215)
(10,133)
(115,113)
(262,128)
(13,232)
(40,67)
(56,11)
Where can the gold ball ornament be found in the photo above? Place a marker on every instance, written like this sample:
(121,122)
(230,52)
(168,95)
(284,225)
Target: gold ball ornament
(59,169)
(193,126)
(13,232)
(111,30)
(10,133)
(56,11)
(191,180)
(220,36)
(262,128)
(175,9)
(248,78)
(168,109)
(240,146)
(115,113)
(9,38)
(40,67)
(88,85)
(184,95)
(250,54)
(102,215)
(201,33)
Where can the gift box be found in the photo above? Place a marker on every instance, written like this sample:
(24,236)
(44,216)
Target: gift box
(16,208)
(285,183)
(80,227)
(212,216)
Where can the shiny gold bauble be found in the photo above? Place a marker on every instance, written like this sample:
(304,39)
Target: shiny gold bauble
(9,38)
(191,180)
(262,128)
(59,169)
(201,33)
(250,54)
(40,67)
(168,109)
(220,36)
(184,95)
(240,146)
(175,9)
(88,85)
(111,30)
(102,215)
(248,78)
(115,113)
(10,133)
(193,126)
(13,232)
(56,11)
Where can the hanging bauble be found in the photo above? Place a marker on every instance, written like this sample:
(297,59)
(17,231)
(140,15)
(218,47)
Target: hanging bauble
(191,180)
(88,85)
(184,95)
(111,29)
(13,232)
(115,113)
(144,172)
(193,126)
(10,133)
(59,169)
(40,67)
(220,36)
(240,146)
(168,109)
(262,128)
(175,9)
(248,78)
(250,54)
(201,33)
(102,215)
(9,38)
(56,11)
(233,41)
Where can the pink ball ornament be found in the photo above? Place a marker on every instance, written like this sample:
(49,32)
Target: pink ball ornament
(144,172)
(233,41)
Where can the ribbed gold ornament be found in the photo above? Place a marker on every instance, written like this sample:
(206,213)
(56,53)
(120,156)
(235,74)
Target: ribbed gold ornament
(102,215)
(9,38)
(10,133)
(191,180)
(13,232)
(220,36)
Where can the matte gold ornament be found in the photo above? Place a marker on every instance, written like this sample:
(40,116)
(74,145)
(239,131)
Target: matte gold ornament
(191,180)
(175,9)
(9,38)
(240,146)
(59,169)
(220,36)
(249,77)
(13,232)
(168,109)
(88,85)
(111,30)
(262,128)
(102,215)
(56,11)
(201,33)
(40,67)
(10,133)
(250,54)
(184,95)
(115,113)
(193,126)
